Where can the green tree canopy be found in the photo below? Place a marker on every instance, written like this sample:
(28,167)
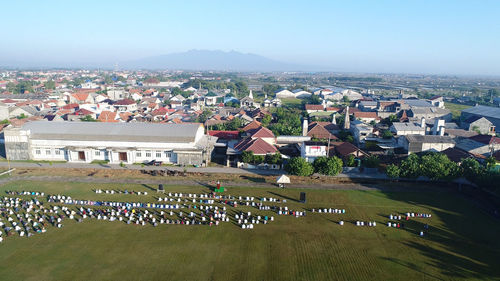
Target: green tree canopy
(328,165)
(299,166)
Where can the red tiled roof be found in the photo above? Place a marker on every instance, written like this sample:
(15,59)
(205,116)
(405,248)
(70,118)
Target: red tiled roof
(314,107)
(258,146)
(346,148)
(107,116)
(261,132)
(362,114)
(125,116)
(335,109)
(317,130)
(125,102)
(83,111)
(227,135)
(252,126)
(80,96)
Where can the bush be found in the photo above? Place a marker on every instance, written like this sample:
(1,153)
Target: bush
(328,165)
(299,166)
(350,161)
(393,171)
(247,156)
(371,161)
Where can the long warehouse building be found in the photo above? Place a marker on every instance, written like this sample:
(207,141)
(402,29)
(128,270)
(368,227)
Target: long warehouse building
(84,142)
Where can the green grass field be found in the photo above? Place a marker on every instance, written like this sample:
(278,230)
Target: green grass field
(462,242)
(456,109)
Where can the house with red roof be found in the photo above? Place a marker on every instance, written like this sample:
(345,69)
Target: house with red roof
(258,146)
(107,116)
(127,105)
(366,117)
(81,97)
(310,108)
(252,126)
(262,133)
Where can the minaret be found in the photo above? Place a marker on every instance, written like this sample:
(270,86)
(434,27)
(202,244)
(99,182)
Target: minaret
(334,119)
(250,95)
(347,122)
(265,96)
(305,127)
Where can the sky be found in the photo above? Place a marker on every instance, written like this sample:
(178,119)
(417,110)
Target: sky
(425,36)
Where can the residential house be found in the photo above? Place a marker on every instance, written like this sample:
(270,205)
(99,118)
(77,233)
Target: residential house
(479,124)
(125,105)
(419,143)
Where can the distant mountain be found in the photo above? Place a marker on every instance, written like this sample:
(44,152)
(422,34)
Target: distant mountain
(213,60)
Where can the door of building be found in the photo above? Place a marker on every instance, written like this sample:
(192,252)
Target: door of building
(123,156)
(81,155)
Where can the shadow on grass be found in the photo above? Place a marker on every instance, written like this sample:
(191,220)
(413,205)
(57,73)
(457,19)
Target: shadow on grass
(284,196)
(467,242)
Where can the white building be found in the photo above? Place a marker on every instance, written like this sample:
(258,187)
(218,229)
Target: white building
(404,128)
(310,150)
(85,142)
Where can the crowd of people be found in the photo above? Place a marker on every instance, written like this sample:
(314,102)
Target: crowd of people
(117,191)
(328,211)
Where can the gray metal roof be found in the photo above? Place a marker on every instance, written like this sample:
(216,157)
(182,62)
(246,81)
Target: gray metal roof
(429,139)
(97,131)
(400,126)
(486,111)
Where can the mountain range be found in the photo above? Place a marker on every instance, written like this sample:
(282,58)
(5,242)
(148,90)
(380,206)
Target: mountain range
(214,60)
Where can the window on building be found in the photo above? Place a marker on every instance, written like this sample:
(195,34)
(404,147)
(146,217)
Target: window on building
(138,154)
(148,153)
(47,152)
(38,151)
(168,154)
(57,152)
(97,153)
(158,154)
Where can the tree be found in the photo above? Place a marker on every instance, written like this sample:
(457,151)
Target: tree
(328,165)
(270,89)
(49,85)
(247,156)
(257,159)
(470,168)
(266,120)
(88,118)
(22,116)
(390,119)
(410,167)
(350,161)
(346,99)
(314,99)
(371,161)
(438,166)
(273,158)
(490,162)
(204,116)
(299,166)
(387,134)
(234,124)
(393,171)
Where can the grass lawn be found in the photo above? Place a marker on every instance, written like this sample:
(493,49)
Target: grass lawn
(456,109)
(292,102)
(462,242)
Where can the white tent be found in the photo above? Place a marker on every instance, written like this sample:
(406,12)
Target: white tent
(283,179)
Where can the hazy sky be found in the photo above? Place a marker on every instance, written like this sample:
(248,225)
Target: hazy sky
(456,37)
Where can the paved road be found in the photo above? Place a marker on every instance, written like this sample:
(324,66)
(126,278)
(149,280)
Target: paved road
(222,170)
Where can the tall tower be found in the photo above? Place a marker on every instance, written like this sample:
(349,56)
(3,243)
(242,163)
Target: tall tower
(305,127)
(334,119)
(250,95)
(347,122)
